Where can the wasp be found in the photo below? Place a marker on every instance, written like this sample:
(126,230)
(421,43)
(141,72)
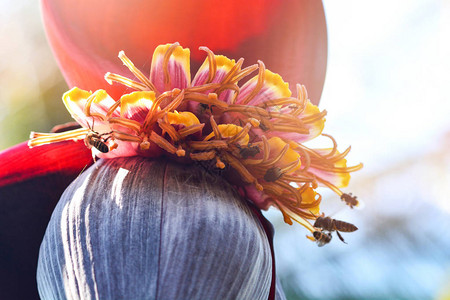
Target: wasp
(322,238)
(273,174)
(248,151)
(350,200)
(330,225)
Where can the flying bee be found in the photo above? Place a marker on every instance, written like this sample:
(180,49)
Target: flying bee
(248,151)
(322,238)
(273,174)
(349,199)
(329,224)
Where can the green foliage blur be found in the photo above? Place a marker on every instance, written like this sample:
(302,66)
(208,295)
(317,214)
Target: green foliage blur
(31,84)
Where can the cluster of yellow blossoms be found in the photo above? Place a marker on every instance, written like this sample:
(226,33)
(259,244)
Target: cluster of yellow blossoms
(255,129)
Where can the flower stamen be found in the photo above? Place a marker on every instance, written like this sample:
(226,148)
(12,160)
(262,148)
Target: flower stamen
(208,145)
(111,77)
(129,64)
(302,96)
(235,69)
(38,139)
(134,125)
(244,72)
(190,130)
(87,108)
(125,137)
(202,156)
(258,86)
(212,64)
(163,143)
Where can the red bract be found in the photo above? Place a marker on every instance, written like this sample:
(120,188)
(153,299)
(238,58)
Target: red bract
(31,183)
(20,163)
(289,36)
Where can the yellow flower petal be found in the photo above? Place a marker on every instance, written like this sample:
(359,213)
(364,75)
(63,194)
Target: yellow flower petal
(310,196)
(228,131)
(276,145)
(273,87)
(74,101)
(185,118)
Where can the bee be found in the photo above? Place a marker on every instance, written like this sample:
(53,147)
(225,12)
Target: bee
(248,151)
(273,174)
(329,224)
(322,238)
(263,127)
(94,139)
(204,107)
(350,200)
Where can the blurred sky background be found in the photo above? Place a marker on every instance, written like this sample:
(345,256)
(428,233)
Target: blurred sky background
(386,95)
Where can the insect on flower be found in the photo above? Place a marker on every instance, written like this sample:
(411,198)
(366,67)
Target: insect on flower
(96,140)
(249,151)
(273,174)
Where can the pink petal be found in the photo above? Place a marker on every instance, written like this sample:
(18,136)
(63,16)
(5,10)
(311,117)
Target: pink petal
(178,68)
(273,88)
(136,105)
(340,180)
(259,198)
(223,67)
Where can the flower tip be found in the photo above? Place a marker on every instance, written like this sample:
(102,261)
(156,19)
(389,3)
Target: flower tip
(254,122)
(287,220)
(220,164)
(145,145)
(212,96)
(176,92)
(311,238)
(180,153)
(259,187)
(121,54)
(204,48)
(108,79)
